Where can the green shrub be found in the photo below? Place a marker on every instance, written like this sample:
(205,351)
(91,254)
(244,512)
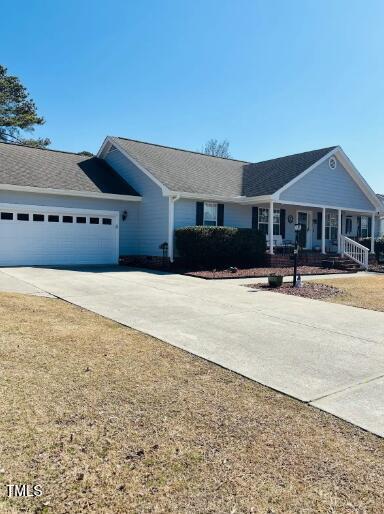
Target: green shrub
(379,245)
(219,246)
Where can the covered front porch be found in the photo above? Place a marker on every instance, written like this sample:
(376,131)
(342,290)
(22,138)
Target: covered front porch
(324,229)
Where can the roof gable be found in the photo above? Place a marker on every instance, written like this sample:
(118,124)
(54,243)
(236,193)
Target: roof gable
(325,186)
(267,177)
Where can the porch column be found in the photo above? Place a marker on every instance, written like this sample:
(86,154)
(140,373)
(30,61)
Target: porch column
(171,225)
(323,233)
(339,231)
(270,227)
(373,234)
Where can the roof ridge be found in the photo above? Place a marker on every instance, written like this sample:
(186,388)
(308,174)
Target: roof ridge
(225,158)
(296,154)
(180,149)
(46,149)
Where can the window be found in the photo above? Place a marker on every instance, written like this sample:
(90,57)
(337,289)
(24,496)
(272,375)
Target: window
(7,215)
(52,218)
(264,221)
(38,217)
(364,226)
(331,226)
(81,219)
(67,219)
(107,221)
(210,214)
(22,217)
(94,221)
(276,222)
(348,225)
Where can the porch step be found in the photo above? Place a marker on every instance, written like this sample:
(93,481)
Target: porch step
(345,263)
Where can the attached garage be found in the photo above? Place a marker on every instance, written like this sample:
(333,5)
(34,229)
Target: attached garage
(31,235)
(59,208)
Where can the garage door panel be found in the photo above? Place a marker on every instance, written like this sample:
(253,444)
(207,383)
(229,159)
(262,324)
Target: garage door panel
(56,242)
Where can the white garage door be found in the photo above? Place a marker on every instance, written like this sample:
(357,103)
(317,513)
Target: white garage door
(31,235)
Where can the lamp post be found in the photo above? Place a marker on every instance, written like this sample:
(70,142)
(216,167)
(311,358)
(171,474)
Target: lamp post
(295,252)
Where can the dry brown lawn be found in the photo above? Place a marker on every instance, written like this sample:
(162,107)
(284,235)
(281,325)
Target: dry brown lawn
(109,420)
(366,292)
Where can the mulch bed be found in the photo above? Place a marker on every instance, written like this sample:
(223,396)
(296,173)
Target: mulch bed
(308,290)
(377,268)
(260,272)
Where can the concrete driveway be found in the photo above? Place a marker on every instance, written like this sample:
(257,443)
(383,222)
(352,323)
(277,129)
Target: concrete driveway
(331,356)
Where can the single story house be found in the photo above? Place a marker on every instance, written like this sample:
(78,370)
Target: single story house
(60,208)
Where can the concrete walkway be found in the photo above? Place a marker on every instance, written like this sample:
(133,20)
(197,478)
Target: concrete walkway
(329,355)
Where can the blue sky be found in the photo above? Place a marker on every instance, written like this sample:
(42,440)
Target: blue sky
(274,77)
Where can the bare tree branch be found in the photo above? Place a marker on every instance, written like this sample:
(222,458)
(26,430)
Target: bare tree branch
(217,148)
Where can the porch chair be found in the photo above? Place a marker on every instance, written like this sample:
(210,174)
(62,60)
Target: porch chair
(277,241)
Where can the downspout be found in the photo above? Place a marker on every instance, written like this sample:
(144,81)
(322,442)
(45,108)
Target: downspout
(171,225)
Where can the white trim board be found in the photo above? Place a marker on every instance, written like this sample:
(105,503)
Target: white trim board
(321,206)
(69,192)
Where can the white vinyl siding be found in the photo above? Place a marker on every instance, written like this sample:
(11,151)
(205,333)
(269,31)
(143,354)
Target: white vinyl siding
(152,227)
(324,186)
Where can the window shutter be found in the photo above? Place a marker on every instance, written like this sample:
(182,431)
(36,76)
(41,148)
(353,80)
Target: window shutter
(255,217)
(199,213)
(358,226)
(369,226)
(220,214)
(319,225)
(282,223)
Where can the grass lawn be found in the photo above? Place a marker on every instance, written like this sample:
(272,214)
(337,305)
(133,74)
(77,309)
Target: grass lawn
(366,292)
(109,420)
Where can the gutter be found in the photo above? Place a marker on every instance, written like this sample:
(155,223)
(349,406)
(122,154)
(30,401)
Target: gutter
(69,192)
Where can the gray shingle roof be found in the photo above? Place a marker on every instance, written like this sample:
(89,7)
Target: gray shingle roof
(193,172)
(26,166)
(381,198)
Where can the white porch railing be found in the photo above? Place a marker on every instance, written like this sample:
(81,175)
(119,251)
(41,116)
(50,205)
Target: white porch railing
(355,251)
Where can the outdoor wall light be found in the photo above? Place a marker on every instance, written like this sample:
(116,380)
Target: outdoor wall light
(124,215)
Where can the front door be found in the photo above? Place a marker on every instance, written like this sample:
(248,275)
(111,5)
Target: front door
(305,239)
